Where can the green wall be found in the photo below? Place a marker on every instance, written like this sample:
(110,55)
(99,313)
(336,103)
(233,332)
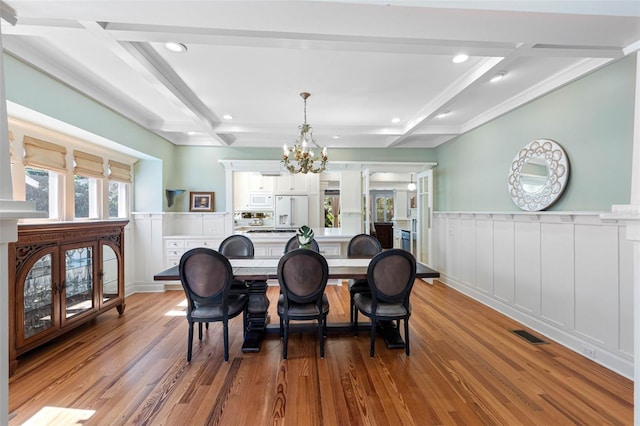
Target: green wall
(592,119)
(35,90)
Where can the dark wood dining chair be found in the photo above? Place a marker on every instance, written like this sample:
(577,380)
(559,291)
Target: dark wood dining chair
(360,245)
(303,276)
(206,277)
(391,275)
(237,246)
(293,244)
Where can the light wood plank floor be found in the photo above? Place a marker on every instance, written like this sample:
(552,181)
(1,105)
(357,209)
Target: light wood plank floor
(466,367)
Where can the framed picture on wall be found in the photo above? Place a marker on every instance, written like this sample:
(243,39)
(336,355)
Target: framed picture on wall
(201,201)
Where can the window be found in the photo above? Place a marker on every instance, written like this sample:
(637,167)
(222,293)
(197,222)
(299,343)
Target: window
(117,199)
(41,187)
(119,181)
(383,206)
(86,197)
(87,169)
(85,185)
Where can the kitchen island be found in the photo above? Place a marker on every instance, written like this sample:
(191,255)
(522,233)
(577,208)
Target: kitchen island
(271,242)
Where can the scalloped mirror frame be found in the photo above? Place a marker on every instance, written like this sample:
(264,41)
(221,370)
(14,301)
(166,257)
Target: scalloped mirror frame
(558,175)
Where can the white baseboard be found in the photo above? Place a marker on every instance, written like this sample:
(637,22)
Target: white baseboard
(603,357)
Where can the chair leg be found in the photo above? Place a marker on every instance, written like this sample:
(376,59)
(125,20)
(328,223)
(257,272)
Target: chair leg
(321,336)
(352,307)
(189,342)
(406,336)
(324,327)
(355,323)
(200,331)
(245,324)
(226,340)
(286,339)
(374,323)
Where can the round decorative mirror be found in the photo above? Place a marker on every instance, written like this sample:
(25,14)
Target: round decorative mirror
(538,175)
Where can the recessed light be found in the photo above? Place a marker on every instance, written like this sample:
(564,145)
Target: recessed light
(191,133)
(336,136)
(395,120)
(458,59)
(498,76)
(227,117)
(443,113)
(175,47)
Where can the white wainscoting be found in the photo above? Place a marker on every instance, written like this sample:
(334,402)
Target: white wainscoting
(148,256)
(568,276)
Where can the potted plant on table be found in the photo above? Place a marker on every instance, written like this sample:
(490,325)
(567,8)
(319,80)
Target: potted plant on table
(305,236)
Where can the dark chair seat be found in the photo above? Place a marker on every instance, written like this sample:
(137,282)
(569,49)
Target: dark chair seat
(364,301)
(235,305)
(303,309)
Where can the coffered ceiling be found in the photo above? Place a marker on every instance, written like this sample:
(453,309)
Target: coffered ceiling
(365,63)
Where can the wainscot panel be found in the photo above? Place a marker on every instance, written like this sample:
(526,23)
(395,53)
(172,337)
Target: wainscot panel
(567,275)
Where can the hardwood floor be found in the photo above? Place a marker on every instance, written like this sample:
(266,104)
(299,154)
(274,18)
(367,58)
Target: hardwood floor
(466,367)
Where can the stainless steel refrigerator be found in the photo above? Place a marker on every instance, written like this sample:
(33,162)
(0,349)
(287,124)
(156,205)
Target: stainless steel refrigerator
(291,211)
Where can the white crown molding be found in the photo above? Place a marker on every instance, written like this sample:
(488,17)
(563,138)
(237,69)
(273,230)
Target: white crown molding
(561,78)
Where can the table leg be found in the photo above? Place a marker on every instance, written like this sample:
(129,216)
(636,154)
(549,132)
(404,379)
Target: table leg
(257,318)
(391,334)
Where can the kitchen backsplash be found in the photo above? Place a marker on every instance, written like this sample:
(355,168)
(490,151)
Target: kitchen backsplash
(242,219)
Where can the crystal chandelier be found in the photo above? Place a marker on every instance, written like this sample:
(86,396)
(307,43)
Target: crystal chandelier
(301,158)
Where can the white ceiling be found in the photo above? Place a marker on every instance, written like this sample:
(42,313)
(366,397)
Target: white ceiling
(364,62)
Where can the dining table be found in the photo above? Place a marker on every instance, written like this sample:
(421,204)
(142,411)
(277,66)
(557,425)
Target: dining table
(257,271)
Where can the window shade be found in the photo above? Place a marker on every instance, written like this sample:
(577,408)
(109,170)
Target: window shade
(46,155)
(119,171)
(88,165)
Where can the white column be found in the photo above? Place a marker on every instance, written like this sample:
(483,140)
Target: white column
(350,202)
(10,212)
(633,233)
(631,215)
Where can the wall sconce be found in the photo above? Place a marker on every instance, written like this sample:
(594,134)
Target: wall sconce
(171,195)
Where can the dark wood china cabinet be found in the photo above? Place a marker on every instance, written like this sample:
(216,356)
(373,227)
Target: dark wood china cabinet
(62,275)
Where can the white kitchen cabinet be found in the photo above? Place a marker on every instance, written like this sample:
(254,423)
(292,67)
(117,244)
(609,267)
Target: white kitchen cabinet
(247,182)
(209,224)
(295,183)
(330,249)
(184,231)
(175,247)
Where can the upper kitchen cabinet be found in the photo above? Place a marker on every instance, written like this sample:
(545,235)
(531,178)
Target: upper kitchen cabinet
(297,184)
(246,183)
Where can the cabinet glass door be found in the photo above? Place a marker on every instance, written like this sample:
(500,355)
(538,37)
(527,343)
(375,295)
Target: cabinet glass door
(79,281)
(38,307)
(109,274)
